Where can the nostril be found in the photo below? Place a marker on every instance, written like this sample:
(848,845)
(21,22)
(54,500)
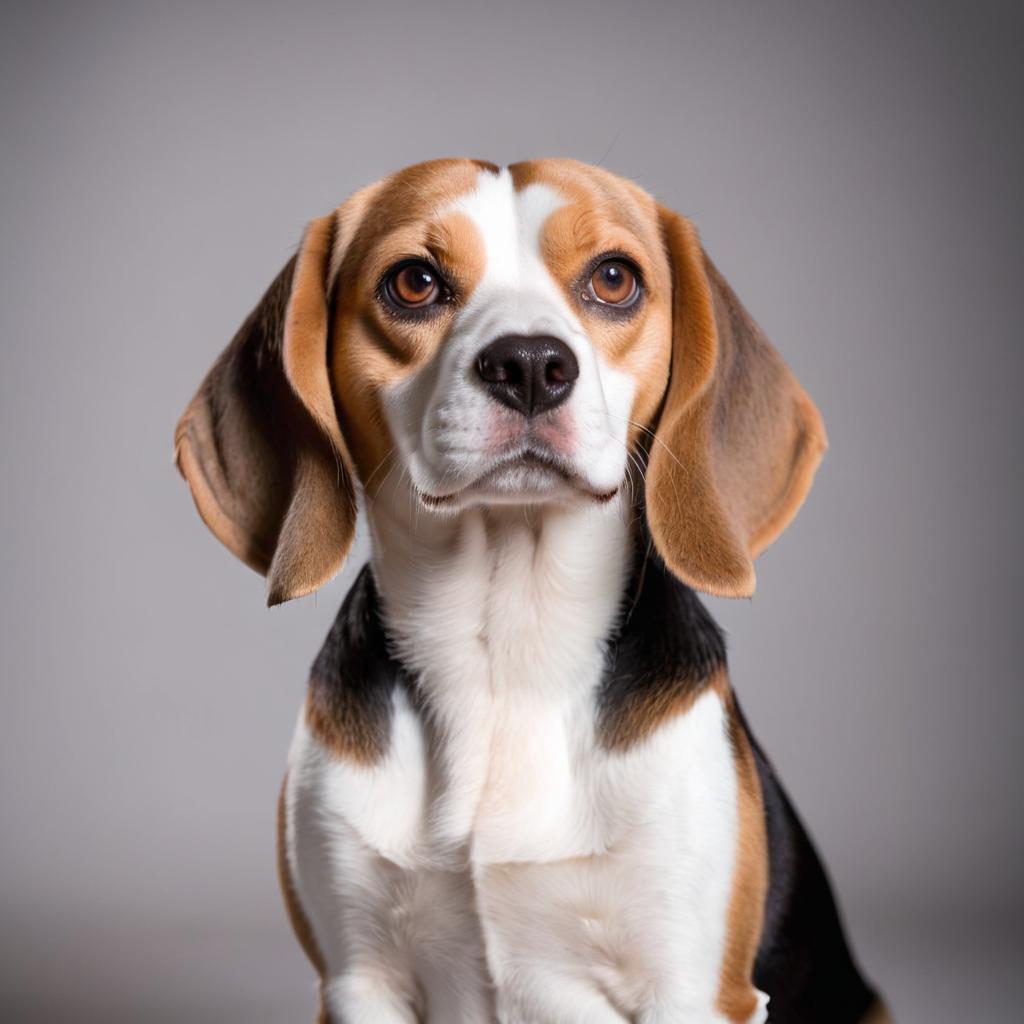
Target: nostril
(560,370)
(498,369)
(491,371)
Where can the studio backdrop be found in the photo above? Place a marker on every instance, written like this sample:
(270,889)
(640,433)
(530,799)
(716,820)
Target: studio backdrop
(854,170)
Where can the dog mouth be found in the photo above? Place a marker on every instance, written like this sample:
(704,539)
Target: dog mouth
(528,475)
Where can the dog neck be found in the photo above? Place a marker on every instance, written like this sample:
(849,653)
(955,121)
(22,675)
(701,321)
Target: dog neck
(499,617)
(522,598)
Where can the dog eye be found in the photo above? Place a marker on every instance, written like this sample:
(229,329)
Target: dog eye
(414,286)
(614,283)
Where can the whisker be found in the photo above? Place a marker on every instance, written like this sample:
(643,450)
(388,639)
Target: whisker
(635,462)
(390,452)
(397,488)
(650,433)
(371,500)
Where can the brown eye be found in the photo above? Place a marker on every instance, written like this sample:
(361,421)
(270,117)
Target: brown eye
(414,285)
(614,283)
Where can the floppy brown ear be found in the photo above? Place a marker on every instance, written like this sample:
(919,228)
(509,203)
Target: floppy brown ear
(738,439)
(260,444)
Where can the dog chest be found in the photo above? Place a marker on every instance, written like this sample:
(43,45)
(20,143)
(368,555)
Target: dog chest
(559,899)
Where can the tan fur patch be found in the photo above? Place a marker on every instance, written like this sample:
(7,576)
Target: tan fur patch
(343,728)
(640,719)
(737,998)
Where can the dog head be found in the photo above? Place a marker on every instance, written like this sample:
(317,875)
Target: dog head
(523,335)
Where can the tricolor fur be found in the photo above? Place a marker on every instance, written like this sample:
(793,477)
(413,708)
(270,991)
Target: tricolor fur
(521,788)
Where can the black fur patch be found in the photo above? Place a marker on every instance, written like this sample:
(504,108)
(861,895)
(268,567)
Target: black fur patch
(665,652)
(354,676)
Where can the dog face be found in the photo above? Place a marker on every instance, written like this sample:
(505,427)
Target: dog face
(499,332)
(499,336)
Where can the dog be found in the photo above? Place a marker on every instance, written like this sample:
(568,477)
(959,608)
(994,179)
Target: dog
(521,788)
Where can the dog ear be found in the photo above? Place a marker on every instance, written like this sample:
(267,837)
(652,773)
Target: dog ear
(260,444)
(738,440)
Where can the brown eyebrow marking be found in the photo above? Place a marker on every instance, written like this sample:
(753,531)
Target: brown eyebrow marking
(455,241)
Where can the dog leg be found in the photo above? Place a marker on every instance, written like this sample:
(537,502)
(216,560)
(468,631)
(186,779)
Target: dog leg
(363,998)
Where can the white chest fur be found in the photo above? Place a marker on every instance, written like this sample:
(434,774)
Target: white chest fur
(498,863)
(503,625)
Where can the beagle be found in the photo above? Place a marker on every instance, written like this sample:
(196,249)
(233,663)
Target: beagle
(521,788)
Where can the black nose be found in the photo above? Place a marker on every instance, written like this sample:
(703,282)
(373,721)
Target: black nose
(529,374)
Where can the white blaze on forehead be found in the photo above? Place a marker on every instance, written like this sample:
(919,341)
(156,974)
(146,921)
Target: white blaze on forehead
(510,224)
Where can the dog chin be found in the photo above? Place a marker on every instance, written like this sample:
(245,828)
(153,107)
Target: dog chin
(523,482)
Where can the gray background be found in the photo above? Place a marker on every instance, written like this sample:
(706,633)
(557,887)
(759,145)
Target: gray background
(855,170)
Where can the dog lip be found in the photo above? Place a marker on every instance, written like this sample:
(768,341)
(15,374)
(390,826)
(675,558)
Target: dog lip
(532,457)
(527,457)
